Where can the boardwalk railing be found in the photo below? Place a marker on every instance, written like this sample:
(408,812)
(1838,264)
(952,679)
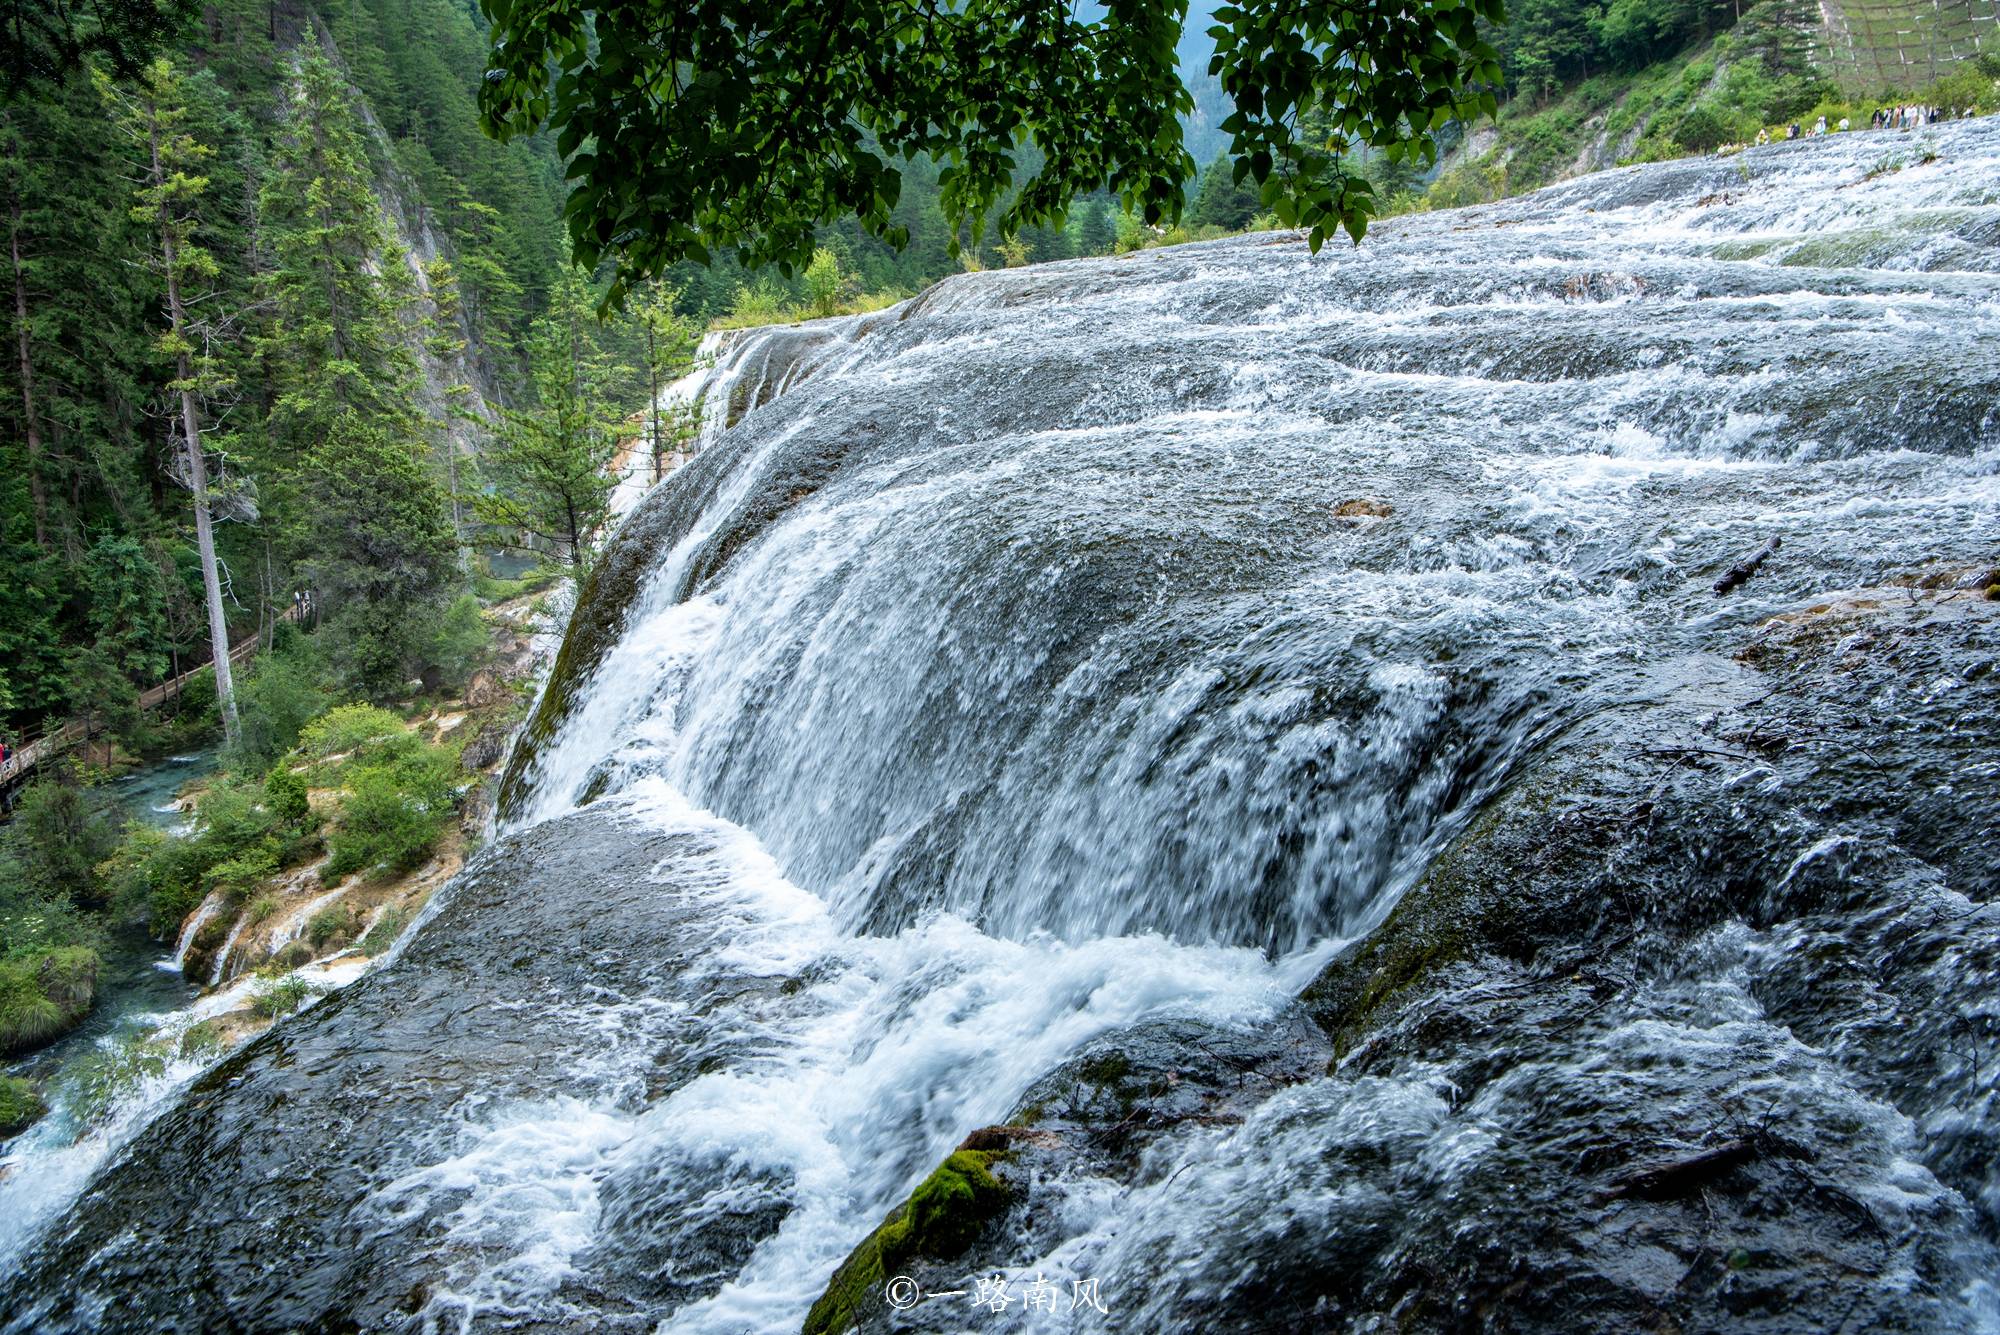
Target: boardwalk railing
(26,757)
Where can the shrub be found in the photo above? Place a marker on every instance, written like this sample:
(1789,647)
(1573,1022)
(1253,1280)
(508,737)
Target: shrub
(285,795)
(277,699)
(462,643)
(350,729)
(230,820)
(236,877)
(383,827)
(281,998)
(1702,130)
(57,837)
(262,907)
(759,305)
(159,874)
(331,921)
(20,1106)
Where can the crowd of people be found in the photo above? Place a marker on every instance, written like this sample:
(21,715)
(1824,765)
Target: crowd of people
(1909,116)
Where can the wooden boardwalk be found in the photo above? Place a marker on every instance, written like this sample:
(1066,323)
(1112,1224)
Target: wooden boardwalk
(29,755)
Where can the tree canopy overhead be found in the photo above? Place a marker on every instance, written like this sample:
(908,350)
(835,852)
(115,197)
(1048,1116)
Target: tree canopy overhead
(739,126)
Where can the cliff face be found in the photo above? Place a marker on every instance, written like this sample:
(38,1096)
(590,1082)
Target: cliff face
(1724,90)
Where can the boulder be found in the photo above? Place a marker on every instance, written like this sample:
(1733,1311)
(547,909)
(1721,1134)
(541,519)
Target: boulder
(484,690)
(1363,509)
(487,748)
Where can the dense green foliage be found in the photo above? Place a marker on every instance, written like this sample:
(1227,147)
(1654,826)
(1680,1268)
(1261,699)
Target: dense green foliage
(236,221)
(734,128)
(551,459)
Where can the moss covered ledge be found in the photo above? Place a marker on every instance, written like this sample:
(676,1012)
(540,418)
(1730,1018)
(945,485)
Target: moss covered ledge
(939,1221)
(20,1106)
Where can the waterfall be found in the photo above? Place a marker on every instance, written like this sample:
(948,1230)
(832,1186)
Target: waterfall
(1070,663)
(733,372)
(295,922)
(208,909)
(221,967)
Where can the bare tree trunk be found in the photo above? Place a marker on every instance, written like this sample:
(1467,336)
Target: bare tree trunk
(34,421)
(653,403)
(451,479)
(204,530)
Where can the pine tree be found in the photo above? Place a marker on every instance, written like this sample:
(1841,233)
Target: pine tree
(339,284)
(169,199)
(1095,233)
(549,462)
(364,517)
(444,344)
(380,553)
(667,341)
(74,315)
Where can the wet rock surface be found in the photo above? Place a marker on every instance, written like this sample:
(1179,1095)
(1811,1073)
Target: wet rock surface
(1091,1125)
(527,984)
(1674,1037)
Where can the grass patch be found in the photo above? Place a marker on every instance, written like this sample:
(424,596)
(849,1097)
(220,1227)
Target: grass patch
(45,995)
(385,931)
(20,1106)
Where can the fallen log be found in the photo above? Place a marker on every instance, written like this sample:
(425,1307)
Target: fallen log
(1735,576)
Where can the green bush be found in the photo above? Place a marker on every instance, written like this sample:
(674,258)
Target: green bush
(281,998)
(383,827)
(230,820)
(348,730)
(1702,130)
(158,874)
(462,644)
(58,835)
(20,1106)
(285,795)
(331,921)
(238,876)
(274,702)
(261,908)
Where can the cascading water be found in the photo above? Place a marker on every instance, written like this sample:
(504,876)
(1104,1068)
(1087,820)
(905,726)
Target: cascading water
(220,969)
(208,909)
(1089,646)
(295,922)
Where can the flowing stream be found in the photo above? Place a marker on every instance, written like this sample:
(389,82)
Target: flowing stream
(1072,647)
(136,985)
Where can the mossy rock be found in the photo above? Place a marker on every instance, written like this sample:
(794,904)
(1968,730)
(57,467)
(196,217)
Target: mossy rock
(1458,910)
(44,996)
(940,1220)
(20,1106)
